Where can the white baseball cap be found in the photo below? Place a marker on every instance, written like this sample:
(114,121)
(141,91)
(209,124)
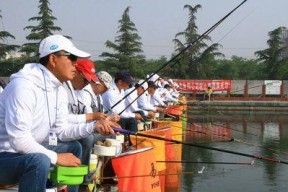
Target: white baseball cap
(54,43)
(154,77)
(106,78)
(144,85)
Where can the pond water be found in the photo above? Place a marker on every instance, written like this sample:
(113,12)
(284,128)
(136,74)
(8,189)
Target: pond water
(262,134)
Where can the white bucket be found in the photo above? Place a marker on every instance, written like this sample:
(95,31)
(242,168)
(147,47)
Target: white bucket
(104,151)
(120,138)
(117,144)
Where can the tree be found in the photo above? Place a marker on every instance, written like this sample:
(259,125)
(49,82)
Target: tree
(237,68)
(127,51)
(5,47)
(197,62)
(273,59)
(45,28)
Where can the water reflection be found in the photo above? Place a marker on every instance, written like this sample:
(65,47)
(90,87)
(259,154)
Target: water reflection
(261,134)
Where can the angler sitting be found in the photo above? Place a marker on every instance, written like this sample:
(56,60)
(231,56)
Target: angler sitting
(131,100)
(85,75)
(113,101)
(33,110)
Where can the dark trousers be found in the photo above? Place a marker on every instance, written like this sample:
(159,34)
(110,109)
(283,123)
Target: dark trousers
(128,124)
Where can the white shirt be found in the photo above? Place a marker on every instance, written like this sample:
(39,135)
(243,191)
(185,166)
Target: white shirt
(76,108)
(131,100)
(113,96)
(89,99)
(144,102)
(24,116)
(157,99)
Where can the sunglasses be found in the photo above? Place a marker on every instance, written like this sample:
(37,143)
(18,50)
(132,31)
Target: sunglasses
(70,56)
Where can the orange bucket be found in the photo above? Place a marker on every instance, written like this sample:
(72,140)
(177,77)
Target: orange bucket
(137,171)
(175,110)
(158,146)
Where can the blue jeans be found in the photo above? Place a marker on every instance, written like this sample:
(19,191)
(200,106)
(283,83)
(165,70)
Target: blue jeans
(73,147)
(87,146)
(30,171)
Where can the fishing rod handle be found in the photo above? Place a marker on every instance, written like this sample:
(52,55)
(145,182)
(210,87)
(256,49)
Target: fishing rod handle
(123,131)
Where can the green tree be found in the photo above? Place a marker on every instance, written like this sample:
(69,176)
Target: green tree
(45,28)
(273,59)
(4,46)
(237,68)
(127,51)
(197,63)
(12,65)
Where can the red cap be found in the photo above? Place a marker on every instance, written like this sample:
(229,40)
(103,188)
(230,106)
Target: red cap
(87,68)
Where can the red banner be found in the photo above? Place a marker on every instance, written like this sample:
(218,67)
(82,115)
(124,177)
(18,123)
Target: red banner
(201,85)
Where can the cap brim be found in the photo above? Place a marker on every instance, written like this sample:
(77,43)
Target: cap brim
(77,52)
(108,85)
(95,79)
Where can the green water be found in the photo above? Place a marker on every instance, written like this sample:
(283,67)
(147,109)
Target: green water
(254,134)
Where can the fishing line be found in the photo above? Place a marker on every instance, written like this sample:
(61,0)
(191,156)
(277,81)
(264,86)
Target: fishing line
(159,174)
(232,138)
(208,162)
(202,146)
(181,52)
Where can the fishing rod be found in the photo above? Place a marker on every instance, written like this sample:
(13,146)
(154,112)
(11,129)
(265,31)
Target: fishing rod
(148,175)
(123,131)
(181,52)
(231,138)
(234,139)
(145,80)
(208,162)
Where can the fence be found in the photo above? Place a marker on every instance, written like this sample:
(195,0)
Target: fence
(236,89)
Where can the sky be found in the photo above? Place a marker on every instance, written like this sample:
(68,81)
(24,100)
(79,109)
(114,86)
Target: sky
(92,22)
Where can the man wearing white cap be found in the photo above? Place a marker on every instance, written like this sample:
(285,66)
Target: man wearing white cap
(33,110)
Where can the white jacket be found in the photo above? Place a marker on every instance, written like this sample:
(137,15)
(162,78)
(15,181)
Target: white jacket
(113,96)
(24,117)
(132,101)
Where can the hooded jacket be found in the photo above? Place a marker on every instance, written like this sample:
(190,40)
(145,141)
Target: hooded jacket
(31,105)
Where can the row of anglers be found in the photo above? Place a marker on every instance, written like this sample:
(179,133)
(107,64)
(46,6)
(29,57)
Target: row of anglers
(54,111)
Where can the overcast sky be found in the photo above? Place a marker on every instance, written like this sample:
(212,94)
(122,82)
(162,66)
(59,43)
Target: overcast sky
(92,22)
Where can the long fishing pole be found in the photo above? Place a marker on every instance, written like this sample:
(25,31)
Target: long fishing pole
(148,175)
(208,162)
(123,131)
(213,133)
(229,139)
(181,52)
